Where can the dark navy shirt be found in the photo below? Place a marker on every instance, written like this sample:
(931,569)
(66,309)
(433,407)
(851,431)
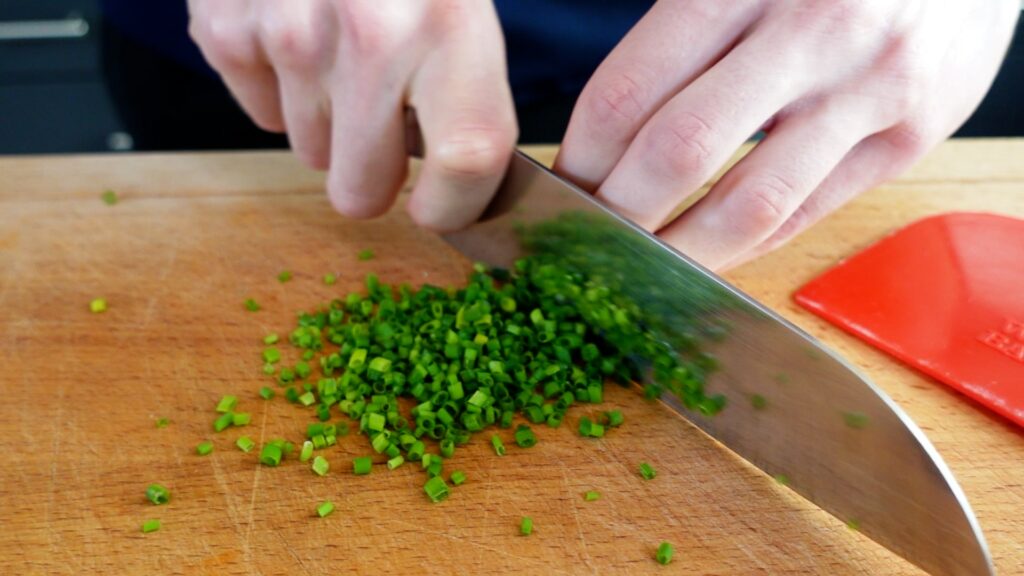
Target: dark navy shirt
(553,45)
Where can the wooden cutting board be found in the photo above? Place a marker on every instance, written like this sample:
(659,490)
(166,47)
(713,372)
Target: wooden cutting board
(194,235)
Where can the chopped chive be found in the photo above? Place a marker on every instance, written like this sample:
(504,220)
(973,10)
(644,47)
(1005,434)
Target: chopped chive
(396,462)
(330,279)
(251,305)
(109,197)
(781,479)
(457,477)
(266,393)
(268,369)
(241,419)
(307,451)
(320,465)
(499,448)
(270,455)
(227,404)
(361,465)
(664,553)
(204,448)
(647,471)
(245,444)
(856,420)
(271,355)
(366,254)
(284,276)
(162,422)
(591,495)
(524,437)
(325,509)
(436,489)
(150,526)
(223,421)
(307,399)
(853,524)
(270,339)
(157,494)
(758,402)
(98,305)
(526,526)
(613,418)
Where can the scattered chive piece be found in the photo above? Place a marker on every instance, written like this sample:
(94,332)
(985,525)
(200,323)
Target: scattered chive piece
(162,422)
(204,448)
(365,255)
(396,462)
(307,451)
(223,421)
(150,526)
(320,465)
(245,444)
(109,197)
(499,448)
(98,306)
(330,279)
(664,554)
(457,477)
(271,355)
(436,489)
(613,418)
(307,399)
(270,455)
(227,404)
(525,438)
(526,526)
(856,420)
(853,524)
(758,402)
(241,419)
(361,465)
(591,495)
(647,471)
(157,494)
(284,276)
(270,339)
(782,479)
(325,509)
(268,369)
(251,305)
(266,393)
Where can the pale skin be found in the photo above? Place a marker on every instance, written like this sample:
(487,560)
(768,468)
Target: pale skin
(849,93)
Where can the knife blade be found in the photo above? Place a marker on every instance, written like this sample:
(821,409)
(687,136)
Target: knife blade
(794,408)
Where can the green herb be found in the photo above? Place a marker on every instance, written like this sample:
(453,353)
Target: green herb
(270,455)
(157,494)
(758,402)
(150,526)
(330,279)
(227,404)
(223,421)
(245,444)
(97,306)
(241,419)
(270,339)
(162,422)
(284,276)
(853,524)
(109,197)
(251,305)
(307,451)
(647,471)
(436,489)
(526,526)
(320,465)
(361,465)
(590,428)
(591,495)
(396,462)
(271,355)
(325,509)
(499,448)
(781,479)
(204,448)
(268,369)
(457,477)
(664,553)
(366,254)
(613,418)
(524,437)
(266,393)
(856,420)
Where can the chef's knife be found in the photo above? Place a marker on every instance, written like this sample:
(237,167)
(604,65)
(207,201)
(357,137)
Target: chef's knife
(794,408)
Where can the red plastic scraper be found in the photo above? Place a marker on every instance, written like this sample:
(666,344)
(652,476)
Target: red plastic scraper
(946,295)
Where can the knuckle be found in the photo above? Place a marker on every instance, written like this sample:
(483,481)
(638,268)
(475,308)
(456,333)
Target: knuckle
(225,41)
(289,42)
(762,205)
(909,140)
(368,33)
(476,154)
(681,146)
(615,106)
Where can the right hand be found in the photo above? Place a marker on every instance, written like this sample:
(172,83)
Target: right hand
(337,76)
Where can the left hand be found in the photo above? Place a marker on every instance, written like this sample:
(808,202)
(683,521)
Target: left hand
(849,92)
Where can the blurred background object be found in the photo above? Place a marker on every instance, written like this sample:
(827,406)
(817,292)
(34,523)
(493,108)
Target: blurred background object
(118,75)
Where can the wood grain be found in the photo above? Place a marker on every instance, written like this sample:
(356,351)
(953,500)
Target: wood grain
(194,235)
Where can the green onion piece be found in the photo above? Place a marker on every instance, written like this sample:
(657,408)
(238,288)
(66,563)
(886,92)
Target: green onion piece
(307,451)
(361,465)
(251,305)
(284,276)
(781,479)
(447,448)
(396,462)
(758,402)
(162,422)
(457,477)
(157,494)
(853,524)
(204,448)
(320,465)
(223,421)
(98,305)
(241,419)
(591,495)
(270,339)
(227,404)
(270,455)
(109,197)
(365,255)
(613,418)
(647,471)
(525,438)
(271,355)
(436,489)
(330,279)
(268,369)
(150,526)
(664,553)
(245,444)
(856,420)
(266,393)
(325,508)
(526,526)
(499,448)
(307,399)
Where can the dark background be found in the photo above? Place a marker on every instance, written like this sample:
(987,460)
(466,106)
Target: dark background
(54,96)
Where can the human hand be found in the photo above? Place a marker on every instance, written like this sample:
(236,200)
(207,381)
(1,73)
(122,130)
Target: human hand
(850,93)
(337,75)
